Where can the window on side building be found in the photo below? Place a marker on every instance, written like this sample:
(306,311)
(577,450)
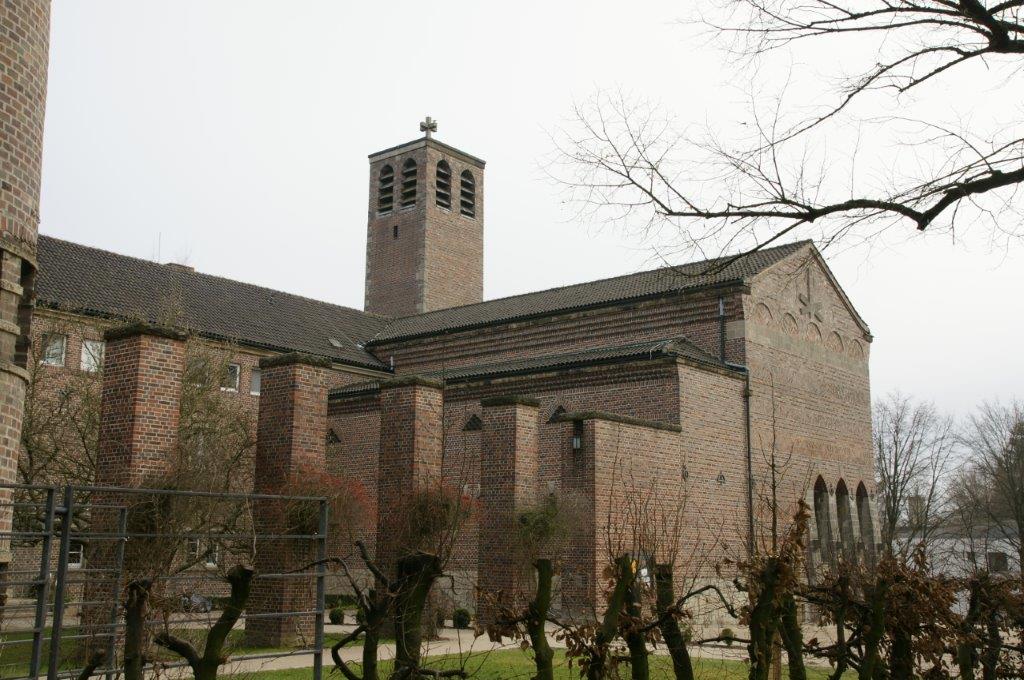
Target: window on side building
(254,382)
(54,348)
(92,355)
(231,378)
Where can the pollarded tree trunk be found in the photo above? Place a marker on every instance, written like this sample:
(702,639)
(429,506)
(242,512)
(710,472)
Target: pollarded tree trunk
(536,616)
(416,576)
(792,637)
(668,622)
(638,658)
(135,607)
(597,667)
(763,620)
(207,666)
(878,595)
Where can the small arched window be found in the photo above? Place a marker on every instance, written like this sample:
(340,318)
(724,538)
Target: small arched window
(467,194)
(443,185)
(386,190)
(867,524)
(844,515)
(822,521)
(408,184)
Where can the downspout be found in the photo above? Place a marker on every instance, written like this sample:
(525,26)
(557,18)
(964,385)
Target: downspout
(721,329)
(746,426)
(750,464)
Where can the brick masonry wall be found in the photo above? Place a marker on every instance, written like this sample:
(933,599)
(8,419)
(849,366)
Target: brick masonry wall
(24,56)
(508,485)
(410,458)
(291,446)
(436,259)
(692,316)
(810,390)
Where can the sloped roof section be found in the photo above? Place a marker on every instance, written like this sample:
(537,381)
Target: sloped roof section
(637,351)
(649,284)
(93,281)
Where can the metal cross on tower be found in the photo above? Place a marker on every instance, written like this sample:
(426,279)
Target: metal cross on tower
(428,126)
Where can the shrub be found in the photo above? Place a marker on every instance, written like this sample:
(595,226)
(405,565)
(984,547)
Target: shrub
(441,616)
(727,636)
(337,616)
(461,618)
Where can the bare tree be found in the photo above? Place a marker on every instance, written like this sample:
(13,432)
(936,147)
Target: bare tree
(995,439)
(914,446)
(773,176)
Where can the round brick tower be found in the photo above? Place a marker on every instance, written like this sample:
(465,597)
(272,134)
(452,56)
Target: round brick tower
(24,47)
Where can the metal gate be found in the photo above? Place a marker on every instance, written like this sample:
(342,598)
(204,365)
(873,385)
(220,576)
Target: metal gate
(63,591)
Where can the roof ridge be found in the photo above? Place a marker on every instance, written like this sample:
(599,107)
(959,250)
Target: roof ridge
(794,244)
(213,276)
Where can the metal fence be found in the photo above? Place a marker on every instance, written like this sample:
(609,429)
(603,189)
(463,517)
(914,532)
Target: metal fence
(77,548)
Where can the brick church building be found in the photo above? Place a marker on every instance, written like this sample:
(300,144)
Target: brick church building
(677,382)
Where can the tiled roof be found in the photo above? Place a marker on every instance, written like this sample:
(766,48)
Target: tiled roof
(647,284)
(655,349)
(93,281)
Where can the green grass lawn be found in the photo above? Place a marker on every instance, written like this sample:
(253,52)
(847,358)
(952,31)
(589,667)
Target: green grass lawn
(514,664)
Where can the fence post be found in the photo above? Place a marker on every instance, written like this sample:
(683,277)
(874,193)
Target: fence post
(321,557)
(43,590)
(122,530)
(61,581)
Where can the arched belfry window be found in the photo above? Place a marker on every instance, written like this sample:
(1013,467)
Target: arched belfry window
(867,524)
(467,194)
(844,515)
(386,190)
(443,185)
(408,199)
(823,521)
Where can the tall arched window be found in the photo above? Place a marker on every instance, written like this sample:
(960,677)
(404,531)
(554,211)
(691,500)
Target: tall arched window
(408,198)
(822,521)
(467,194)
(386,190)
(443,185)
(844,515)
(867,524)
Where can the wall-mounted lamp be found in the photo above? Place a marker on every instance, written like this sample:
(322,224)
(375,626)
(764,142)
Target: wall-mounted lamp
(577,436)
(685,472)
(721,478)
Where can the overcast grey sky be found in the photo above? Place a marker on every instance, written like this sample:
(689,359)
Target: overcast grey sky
(234,137)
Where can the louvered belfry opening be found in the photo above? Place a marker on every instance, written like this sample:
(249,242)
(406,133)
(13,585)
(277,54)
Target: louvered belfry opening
(467,195)
(386,190)
(443,185)
(408,184)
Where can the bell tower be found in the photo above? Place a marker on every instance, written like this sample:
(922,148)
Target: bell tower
(425,227)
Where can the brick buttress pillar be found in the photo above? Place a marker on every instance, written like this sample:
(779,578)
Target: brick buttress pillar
(291,440)
(138,434)
(411,414)
(24,54)
(508,485)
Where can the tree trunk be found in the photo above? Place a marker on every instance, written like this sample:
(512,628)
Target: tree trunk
(537,615)
(871,663)
(993,643)
(597,668)
(792,638)
(763,621)
(240,579)
(638,660)
(416,575)
(135,607)
(967,653)
(668,623)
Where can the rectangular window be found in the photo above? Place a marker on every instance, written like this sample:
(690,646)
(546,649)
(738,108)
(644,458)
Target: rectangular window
(76,555)
(254,382)
(206,555)
(997,562)
(92,355)
(54,346)
(231,377)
